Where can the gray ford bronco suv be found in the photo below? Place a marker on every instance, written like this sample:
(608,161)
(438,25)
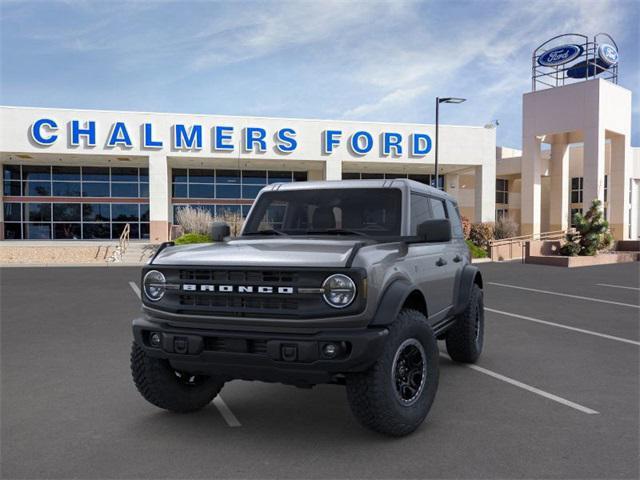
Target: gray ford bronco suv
(344,282)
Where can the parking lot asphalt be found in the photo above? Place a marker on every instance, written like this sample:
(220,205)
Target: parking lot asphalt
(555,393)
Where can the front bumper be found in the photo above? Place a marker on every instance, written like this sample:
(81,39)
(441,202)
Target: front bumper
(293,358)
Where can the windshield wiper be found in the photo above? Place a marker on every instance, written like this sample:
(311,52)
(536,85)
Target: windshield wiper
(268,231)
(336,231)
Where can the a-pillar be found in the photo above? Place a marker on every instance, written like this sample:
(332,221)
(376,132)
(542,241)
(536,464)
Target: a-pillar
(333,169)
(531,186)
(618,188)
(593,167)
(159,199)
(485,192)
(559,207)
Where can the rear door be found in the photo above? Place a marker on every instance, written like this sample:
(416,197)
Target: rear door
(445,260)
(423,260)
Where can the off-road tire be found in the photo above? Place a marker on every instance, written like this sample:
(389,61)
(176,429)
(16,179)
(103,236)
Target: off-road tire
(464,342)
(162,386)
(372,394)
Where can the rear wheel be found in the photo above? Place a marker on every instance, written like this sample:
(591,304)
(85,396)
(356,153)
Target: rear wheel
(168,388)
(466,337)
(395,395)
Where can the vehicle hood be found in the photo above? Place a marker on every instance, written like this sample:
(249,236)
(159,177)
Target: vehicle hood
(286,252)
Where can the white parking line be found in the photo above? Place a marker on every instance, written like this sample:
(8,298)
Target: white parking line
(545,322)
(529,388)
(590,299)
(617,286)
(222,407)
(135,288)
(226,413)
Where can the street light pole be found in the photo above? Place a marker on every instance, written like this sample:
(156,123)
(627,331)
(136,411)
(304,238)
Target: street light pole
(438,102)
(437,142)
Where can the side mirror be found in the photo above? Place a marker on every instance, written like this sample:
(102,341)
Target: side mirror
(435,231)
(219,231)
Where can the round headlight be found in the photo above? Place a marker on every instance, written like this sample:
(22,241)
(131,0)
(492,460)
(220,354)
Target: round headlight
(339,290)
(154,285)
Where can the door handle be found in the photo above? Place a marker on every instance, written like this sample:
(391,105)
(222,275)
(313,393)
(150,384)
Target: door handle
(441,262)
(457,259)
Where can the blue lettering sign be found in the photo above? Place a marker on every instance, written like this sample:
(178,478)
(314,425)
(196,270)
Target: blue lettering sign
(89,131)
(222,137)
(357,146)
(391,140)
(286,140)
(420,144)
(331,139)
(147,137)
(37,134)
(255,136)
(186,139)
(119,136)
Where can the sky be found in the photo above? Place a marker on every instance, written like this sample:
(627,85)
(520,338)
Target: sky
(344,60)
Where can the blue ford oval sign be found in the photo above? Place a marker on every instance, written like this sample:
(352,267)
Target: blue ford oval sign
(608,54)
(560,55)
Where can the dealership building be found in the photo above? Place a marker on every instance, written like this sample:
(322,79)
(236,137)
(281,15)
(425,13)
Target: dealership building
(86,174)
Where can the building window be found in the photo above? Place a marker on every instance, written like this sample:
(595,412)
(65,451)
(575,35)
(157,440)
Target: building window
(502,213)
(576,190)
(606,187)
(63,181)
(573,212)
(209,184)
(208,189)
(502,190)
(426,179)
(65,214)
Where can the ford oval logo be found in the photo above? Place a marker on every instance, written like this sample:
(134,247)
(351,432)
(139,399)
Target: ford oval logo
(560,55)
(608,54)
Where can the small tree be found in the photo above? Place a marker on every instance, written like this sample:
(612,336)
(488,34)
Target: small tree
(591,235)
(505,228)
(194,220)
(482,233)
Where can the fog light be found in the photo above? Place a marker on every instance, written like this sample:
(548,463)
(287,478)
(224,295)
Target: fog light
(330,350)
(155,339)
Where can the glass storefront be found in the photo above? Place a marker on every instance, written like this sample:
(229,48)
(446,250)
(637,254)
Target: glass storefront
(209,188)
(426,179)
(77,202)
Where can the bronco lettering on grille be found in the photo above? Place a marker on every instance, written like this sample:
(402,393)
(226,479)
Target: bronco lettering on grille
(202,287)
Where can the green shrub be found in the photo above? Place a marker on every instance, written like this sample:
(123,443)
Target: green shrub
(591,235)
(188,238)
(476,251)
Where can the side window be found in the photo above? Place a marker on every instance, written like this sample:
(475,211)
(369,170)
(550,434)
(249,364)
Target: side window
(456,223)
(437,207)
(420,211)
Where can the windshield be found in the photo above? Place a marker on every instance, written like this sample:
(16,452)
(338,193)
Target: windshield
(340,211)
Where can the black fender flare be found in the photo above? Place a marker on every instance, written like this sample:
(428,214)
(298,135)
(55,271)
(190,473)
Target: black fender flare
(391,302)
(469,275)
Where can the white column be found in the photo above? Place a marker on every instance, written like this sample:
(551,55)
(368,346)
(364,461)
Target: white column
(618,188)
(531,188)
(333,169)
(485,192)
(559,205)
(593,167)
(159,197)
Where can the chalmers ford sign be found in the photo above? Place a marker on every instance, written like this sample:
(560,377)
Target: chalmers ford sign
(45,132)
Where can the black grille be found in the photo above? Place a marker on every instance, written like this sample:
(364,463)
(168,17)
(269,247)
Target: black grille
(252,304)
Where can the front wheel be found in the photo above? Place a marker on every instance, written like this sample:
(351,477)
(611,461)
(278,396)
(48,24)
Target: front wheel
(170,389)
(395,395)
